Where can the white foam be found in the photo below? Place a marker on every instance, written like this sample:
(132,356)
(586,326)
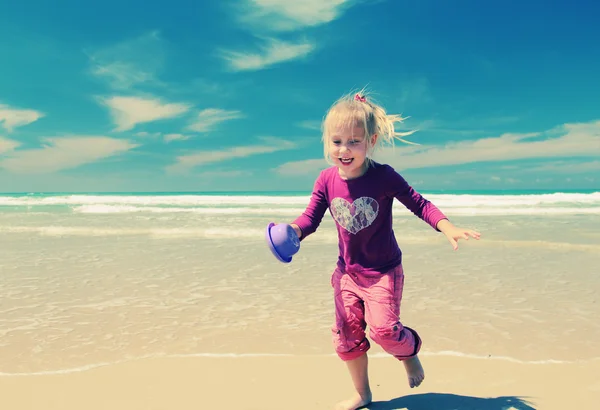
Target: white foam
(515,200)
(116,209)
(149,200)
(501,358)
(399,209)
(521,210)
(70,370)
(443,200)
(473,205)
(259,355)
(257,234)
(71,230)
(222,232)
(387,356)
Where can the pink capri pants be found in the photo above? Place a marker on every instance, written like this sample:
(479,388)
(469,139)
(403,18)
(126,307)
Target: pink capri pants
(371,299)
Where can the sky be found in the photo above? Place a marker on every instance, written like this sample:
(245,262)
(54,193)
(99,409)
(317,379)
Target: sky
(148,96)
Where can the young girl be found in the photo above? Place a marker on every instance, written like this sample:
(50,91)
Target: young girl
(369,278)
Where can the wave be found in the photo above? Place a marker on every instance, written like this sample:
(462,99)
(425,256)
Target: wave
(444,200)
(174,200)
(116,209)
(516,200)
(451,204)
(399,209)
(231,232)
(92,366)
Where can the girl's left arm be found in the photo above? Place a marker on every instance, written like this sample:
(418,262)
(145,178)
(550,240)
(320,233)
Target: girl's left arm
(427,211)
(453,233)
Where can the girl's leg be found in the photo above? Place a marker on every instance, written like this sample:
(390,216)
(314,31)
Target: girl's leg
(349,338)
(359,373)
(348,331)
(383,295)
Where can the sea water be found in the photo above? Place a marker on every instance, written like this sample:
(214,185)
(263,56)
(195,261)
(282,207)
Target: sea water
(93,279)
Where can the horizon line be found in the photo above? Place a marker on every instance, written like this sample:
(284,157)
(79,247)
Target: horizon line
(305,192)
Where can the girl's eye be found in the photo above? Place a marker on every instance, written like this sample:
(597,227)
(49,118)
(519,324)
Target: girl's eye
(336,142)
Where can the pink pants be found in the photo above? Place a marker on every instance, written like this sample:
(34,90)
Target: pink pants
(371,299)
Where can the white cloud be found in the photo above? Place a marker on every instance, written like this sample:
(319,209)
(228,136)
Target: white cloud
(186,162)
(272,52)
(569,140)
(122,75)
(7,145)
(224,174)
(289,15)
(129,111)
(506,180)
(566,167)
(310,125)
(144,134)
(131,62)
(176,137)
(416,91)
(308,166)
(166,137)
(281,15)
(64,153)
(465,126)
(11,118)
(210,117)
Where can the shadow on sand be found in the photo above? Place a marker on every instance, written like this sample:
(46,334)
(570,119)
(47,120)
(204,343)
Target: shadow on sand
(441,401)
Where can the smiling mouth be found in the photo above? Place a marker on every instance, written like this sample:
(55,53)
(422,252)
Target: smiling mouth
(346,160)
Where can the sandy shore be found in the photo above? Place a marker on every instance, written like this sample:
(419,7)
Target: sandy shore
(279,383)
(73,297)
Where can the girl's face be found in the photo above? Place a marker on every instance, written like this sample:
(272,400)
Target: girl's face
(348,150)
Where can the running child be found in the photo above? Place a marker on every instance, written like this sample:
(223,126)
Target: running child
(368,279)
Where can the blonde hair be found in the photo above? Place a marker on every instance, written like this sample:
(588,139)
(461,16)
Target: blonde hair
(358,108)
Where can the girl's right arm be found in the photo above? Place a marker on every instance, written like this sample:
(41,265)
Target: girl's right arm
(311,218)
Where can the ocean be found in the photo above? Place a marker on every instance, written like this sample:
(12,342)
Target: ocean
(98,278)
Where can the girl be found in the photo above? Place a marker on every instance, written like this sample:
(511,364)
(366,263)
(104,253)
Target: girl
(369,278)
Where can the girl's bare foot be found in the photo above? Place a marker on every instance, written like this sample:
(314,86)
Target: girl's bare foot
(355,403)
(414,371)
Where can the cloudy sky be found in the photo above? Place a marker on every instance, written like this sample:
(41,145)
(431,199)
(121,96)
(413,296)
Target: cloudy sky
(228,95)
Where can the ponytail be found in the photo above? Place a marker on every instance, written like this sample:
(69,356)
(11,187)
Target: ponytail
(356,108)
(383,125)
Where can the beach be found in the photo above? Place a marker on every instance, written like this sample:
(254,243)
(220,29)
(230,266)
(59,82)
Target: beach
(273,383)
(130,301)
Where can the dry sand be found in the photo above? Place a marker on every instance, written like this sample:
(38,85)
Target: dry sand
(277,383)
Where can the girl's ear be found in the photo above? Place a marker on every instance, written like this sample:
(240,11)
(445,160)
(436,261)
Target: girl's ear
(373,139)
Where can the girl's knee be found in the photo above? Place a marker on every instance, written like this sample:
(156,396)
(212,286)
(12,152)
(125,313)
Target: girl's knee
(347,351)
(398,340)
(349,338)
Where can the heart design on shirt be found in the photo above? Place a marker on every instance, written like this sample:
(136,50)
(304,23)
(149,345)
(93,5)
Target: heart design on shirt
(355,216)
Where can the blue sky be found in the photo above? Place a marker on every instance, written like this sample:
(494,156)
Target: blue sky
(228,95)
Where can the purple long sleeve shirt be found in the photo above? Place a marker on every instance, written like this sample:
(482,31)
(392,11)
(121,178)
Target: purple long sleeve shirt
(362,211)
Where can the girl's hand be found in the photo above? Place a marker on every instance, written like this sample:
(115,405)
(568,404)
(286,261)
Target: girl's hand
(297,230)
(453,234)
